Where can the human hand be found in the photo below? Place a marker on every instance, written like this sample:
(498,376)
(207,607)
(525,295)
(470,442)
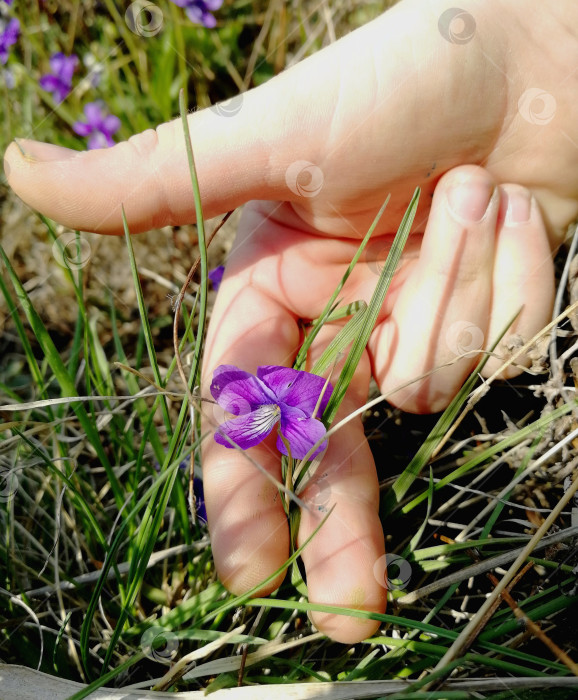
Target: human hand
(392,106)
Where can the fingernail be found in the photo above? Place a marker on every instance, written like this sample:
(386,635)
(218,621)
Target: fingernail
(43,152)
(469,200)
(518,206)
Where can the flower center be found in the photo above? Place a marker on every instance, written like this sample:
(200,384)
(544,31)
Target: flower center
(264,418)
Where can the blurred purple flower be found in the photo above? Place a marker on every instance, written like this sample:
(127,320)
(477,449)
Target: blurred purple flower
(99,126)
(216,276)
(199,492)
(276,395)
(9,33)
(199,11)
(9,79)
(60,80)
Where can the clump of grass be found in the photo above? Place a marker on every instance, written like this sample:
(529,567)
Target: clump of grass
(104,576)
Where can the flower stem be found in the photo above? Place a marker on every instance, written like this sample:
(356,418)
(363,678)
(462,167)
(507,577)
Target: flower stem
(289,472)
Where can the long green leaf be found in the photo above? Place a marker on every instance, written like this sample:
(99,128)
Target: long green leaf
(329,307)
(404,481)
(64,379)
(145,322)
(504,444)
(372,312)
(345,336)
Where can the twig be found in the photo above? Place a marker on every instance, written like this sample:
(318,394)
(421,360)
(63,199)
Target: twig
(482,567)
(482,390)
(471,630)
(182,665)
(558,302)
(532,627)
(519,614)
(122,569)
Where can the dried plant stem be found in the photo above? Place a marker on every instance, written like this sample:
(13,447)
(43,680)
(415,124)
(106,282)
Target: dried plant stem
(473,628)
(482,567)
(531,626)
(482,390)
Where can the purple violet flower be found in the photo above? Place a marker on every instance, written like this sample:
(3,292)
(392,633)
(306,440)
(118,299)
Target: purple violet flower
(60,80)
(199,11)
(276,395)
(216,276)
(99,126)
(199,493)
(9,33)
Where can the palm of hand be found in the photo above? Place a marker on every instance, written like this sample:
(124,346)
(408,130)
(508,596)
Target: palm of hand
(280,271)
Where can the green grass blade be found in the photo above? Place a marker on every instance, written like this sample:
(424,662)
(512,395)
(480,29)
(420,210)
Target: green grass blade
(203,287)
(501,504)
(345,336)
(404,481)
(65,381)
(371,314)
(327,312)
(145,323)
(32,363)
(504,444)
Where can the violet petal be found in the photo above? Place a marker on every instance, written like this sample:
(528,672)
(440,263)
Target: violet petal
(110,124)
(99,140)
(213,5)
(50,83)
(195,14)
(296,388)
(242,395)
(68,67)
(57,61)
(216,276)
(301,433)
(208,21)
(93,113)
(82,129)
(222,375)
(250,429)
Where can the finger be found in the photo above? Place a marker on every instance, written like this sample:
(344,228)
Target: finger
(442,313)
(253,148)
(341,558)
(248,526)
(523,276)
